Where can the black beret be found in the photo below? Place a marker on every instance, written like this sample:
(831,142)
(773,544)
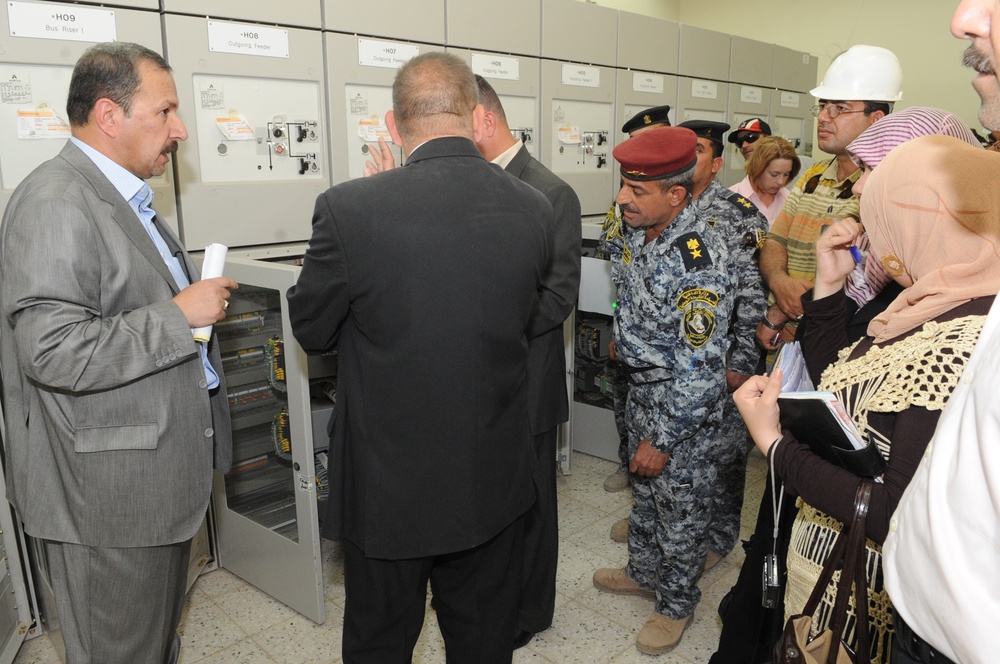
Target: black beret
(713,131)
(651,116)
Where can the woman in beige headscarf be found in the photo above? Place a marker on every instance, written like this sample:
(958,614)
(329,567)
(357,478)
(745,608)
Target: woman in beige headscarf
(932,214)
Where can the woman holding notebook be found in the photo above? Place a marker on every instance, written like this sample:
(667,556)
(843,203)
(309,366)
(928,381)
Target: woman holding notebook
(932,214)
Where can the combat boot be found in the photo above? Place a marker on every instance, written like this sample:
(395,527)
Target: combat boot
(617,481)
(660,634)
(619,531)
(615,580)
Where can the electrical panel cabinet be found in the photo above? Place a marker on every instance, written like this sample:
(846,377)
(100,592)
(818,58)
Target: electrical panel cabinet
(257,152)
(516,30)
(266,507)
(637,91)
(359,79)
(517,81)
(577,116)
(299,13)
(792,119)
(579,32)
(417,20)
(45,41)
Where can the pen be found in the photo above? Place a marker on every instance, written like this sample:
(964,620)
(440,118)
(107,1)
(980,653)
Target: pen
(857,254)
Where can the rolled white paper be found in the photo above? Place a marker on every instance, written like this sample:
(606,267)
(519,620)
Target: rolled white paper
(215,261)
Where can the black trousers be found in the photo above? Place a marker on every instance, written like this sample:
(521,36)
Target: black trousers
(475,595)
(537,602)
(909,648)
(749,631)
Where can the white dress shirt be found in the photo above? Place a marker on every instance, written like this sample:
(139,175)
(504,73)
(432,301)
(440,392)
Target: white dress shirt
(942,555)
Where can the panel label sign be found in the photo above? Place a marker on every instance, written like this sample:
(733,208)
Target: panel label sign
(585,77)
(63,22)
(647,83)
(390,55)
(496,66)
(244,39)
(704,89)
(790,99)
(750,95)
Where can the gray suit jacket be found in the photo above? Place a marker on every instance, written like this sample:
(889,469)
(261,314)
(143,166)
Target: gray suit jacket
(548,405)
(111,433)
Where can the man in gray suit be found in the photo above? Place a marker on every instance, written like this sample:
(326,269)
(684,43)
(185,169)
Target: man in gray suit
(115,415)
(548,403)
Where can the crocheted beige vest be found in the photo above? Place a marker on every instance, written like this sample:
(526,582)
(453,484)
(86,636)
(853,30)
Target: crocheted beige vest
(919,370)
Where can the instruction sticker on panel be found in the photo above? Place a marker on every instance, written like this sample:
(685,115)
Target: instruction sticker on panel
(211,97)
(40,123)
(235,127)
(569,135)
(16,90)
(371,129)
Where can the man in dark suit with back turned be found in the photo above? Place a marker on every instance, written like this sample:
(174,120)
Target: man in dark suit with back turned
(423,278)
(115,415)
(548,403)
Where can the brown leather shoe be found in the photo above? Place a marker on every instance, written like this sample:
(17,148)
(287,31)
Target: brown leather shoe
(615,580)
(660,634)
(619,531)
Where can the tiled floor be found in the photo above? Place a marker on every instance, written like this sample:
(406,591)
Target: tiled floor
(228,621)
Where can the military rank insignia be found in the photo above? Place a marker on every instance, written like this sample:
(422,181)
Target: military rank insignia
(613,234)
(694,251)
(698,305)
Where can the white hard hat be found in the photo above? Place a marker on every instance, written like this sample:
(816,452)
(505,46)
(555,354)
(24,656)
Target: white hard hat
(862,73)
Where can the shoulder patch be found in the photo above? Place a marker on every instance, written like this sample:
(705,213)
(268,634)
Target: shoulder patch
(742,203)
(694,251)
(698,324)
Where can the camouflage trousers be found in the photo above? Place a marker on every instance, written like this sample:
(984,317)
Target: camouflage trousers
(731,465)
(619,394)
(668,526)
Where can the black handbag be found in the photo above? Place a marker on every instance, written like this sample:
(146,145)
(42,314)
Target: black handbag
(829,647)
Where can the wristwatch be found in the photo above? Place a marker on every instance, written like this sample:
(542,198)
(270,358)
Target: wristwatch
(777,327)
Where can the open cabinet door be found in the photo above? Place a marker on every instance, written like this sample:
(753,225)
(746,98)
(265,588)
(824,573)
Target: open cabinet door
(266,507)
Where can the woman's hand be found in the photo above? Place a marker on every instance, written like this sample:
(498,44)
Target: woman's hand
(757,401)
(834,260)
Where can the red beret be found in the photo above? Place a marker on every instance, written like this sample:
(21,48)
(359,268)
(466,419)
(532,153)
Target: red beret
(656,154)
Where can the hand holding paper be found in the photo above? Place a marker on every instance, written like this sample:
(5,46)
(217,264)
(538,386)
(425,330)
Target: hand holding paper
(215,262)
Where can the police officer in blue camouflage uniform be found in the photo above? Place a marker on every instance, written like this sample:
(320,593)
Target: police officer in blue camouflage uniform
(743,227)
(674,304)
(611,244)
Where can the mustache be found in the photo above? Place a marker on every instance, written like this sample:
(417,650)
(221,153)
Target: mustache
(976,60)
(629,208)
(171,148)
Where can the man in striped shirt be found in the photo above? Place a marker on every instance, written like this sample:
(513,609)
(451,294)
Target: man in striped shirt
(825,192)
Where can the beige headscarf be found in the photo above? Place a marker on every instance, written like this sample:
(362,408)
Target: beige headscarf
(932,213)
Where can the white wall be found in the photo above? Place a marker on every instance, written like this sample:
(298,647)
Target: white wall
(917,31)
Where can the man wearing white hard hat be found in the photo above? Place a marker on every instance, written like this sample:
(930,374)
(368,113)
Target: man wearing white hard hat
(858,89)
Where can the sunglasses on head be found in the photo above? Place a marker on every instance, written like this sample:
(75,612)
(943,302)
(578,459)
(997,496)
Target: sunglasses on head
(747,137)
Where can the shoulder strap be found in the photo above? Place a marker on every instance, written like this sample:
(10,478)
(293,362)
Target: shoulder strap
(849,548)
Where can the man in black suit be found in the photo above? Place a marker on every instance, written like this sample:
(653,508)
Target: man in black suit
(423,279)
(548,403)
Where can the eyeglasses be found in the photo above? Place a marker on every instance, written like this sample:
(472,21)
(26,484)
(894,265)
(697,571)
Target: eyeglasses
(833,110)
(747,137)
